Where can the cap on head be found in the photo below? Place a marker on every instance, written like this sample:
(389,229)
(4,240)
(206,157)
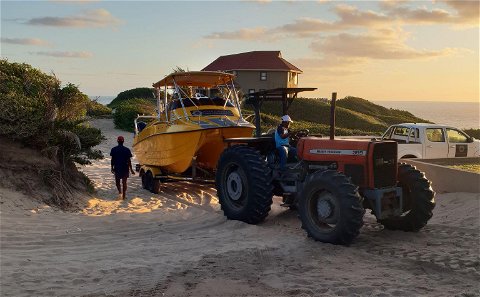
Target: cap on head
(120,139)
(286,118)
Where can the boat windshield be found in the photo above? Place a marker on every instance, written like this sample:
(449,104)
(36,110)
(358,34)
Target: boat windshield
(175,103)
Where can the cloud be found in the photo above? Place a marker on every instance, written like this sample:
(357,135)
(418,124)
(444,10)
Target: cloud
(91,18)
(381,44)
(350,17)
(465,13)
(305,27)
(65,54)
(242,34)
(466,10)
(329,61)
(331,65)
(25,41)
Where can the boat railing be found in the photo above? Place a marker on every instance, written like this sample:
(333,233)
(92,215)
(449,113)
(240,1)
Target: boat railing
(136,123)
(231,98)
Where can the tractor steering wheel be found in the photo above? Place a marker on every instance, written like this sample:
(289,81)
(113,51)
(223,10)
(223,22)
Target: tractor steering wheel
(296,135)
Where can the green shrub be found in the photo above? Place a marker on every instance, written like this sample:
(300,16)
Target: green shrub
(144,93)
(95,109)
(473,133)
(127,111)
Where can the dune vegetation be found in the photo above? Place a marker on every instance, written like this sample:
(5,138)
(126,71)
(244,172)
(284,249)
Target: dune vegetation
(48,118)
(143,93)
(354,116)
(126,112)
(98,110)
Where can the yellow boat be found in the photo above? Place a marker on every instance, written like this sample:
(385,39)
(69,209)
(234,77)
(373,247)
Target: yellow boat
(196,111)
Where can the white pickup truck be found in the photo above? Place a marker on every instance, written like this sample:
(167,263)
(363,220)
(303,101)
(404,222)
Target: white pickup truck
(430,141)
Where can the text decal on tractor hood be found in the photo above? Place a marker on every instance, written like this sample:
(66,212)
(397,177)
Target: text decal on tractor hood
(338,152)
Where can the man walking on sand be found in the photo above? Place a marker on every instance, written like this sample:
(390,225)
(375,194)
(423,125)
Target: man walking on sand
(121,164)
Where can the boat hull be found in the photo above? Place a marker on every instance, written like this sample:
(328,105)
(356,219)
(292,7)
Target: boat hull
(174,148)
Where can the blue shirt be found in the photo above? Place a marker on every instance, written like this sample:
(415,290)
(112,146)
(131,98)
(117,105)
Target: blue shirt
(120,157)
(279,141)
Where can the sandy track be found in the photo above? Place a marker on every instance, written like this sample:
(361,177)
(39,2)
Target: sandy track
(178,243)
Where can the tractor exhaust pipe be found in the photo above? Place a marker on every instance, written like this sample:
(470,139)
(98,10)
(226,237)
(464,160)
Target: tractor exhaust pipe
(332,116)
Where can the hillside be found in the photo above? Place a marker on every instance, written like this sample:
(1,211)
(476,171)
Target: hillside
(142,93)
(388,115)
(353,115)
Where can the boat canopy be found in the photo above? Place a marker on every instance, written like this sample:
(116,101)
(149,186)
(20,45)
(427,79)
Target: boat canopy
(207,79)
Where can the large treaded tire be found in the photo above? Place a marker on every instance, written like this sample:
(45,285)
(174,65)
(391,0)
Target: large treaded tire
(345,204)
(418,200)
(243,184)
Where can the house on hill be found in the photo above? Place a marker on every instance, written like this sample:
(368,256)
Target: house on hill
(258,70)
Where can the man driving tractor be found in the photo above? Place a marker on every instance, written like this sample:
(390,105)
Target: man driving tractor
(282,142)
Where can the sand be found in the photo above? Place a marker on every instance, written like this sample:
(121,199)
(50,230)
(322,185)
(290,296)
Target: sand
(178,243)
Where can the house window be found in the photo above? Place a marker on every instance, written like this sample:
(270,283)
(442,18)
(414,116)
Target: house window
(263,76)
(261,90)
(251,91)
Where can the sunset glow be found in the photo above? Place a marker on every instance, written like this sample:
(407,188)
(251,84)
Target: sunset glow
(378,50)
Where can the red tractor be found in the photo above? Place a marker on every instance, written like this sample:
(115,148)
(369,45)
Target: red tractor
(332,183)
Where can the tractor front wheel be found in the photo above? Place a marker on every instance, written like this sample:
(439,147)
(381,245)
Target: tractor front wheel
(330,208)
(418,200)
(243,185)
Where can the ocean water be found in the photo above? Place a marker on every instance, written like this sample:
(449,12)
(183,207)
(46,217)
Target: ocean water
(463,115)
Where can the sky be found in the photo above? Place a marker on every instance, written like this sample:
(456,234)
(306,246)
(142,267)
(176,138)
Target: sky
(377,50)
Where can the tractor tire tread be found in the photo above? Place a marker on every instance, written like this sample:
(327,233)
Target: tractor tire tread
(260,188)
(423,201)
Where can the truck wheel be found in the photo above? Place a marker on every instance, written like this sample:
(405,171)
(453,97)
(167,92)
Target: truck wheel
(243,185)
(418,200)
(330,208)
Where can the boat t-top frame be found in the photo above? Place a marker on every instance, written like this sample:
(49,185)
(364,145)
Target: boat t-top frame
(183,84)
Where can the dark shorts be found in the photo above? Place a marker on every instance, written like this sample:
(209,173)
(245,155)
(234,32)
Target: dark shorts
(122,174)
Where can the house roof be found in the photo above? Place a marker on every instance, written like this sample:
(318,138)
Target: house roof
(206,79)
(256,60)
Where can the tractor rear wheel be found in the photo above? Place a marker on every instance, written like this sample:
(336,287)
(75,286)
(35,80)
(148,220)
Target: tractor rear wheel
(330,208)
(243,184)
(418,200)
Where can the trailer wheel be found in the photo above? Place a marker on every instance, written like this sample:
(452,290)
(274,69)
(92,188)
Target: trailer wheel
(243,185)
(153,184)
(418,200)
(330,208)
(144,179)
